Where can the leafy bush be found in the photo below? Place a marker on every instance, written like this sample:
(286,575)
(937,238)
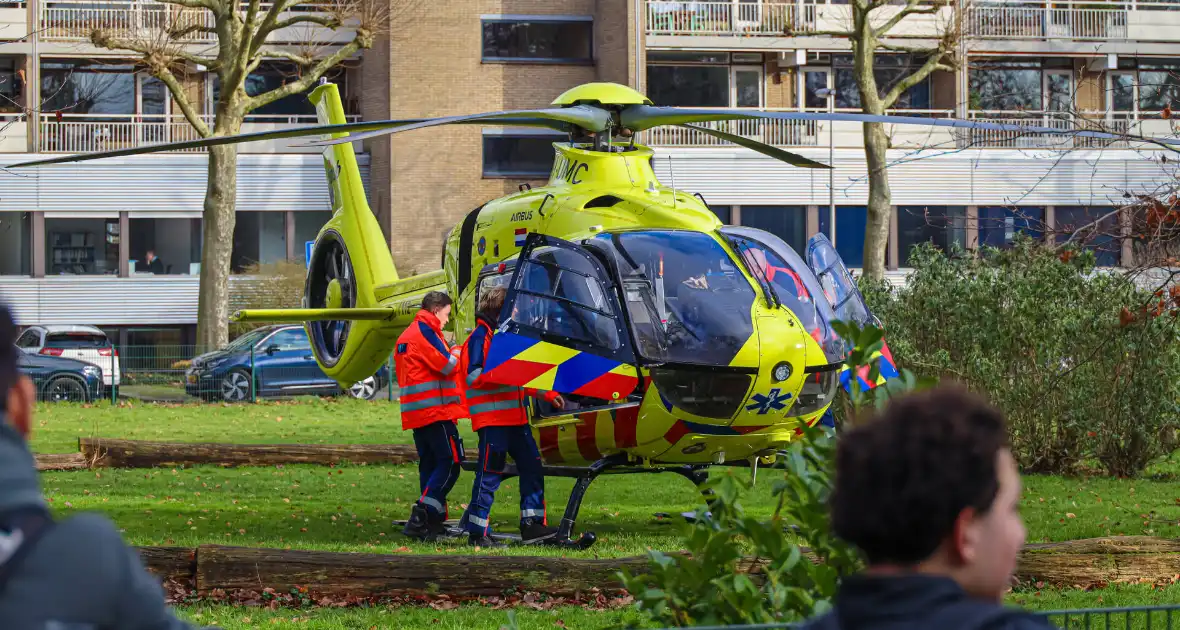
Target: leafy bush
(739,569)
(1080,360)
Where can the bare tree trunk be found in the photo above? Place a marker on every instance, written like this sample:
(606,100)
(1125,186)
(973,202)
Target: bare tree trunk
(880,206)
(220,218)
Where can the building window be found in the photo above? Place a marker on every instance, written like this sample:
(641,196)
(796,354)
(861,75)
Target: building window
(539,39)
(1102,238)
(998,226)
(705,80)
(889,70)
(12,86)
(519,154)
(850,232)
(307,227)
(88,86)
(259,238)
(175,243)
(82,246)
(1005,85)
(1159,85)
(15,244)
(943,226)
(786,222)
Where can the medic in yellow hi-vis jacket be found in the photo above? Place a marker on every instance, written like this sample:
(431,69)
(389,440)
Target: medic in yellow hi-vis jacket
(431,403)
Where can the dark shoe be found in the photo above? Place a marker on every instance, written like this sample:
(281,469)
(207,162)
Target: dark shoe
(418,526)
(484,541)
(436,524)
(534,531)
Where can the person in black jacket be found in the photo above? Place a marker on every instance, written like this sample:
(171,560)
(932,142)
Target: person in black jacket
(154,264)
(74,574)
(929,492)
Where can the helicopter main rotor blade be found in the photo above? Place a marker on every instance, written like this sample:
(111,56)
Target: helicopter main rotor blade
(588,118)
(765,149)
(316,130)
(643,117)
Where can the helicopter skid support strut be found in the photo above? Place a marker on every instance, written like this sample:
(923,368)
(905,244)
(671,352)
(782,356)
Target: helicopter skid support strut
(584,476)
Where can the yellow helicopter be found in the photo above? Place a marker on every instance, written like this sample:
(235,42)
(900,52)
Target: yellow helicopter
(679,343)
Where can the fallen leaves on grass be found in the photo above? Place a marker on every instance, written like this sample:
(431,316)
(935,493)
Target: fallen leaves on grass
(183,593)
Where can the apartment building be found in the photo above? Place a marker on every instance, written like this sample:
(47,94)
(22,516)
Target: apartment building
(73,239)
(1049,63)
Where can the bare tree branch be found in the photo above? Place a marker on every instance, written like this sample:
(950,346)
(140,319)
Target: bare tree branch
(178,94)
(104,39)
(193,4)
(920,51)
(363,40)
(185,31)
(327,21)
(911,8)
(933,62)
(299,60)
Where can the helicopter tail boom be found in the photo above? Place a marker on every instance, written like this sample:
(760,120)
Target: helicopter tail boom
(300,315)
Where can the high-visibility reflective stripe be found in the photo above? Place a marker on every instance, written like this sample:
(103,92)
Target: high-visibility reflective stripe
(432,503)
(427,386)
(427,403)
(450,366)
(495,406)
(531,513)
(475,393)
(482,522)
(471,378)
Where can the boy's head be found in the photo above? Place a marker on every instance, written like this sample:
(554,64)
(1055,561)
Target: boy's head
(439,304)
(17,394)
(491,302)
(930,485)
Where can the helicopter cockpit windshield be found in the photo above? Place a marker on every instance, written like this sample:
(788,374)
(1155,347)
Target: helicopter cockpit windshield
(685,297)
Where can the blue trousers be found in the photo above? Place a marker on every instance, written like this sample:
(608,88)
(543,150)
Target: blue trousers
(495,445)
(440,452)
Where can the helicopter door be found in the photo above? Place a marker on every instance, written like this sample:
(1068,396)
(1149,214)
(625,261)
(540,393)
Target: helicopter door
(848,303)
(562,327)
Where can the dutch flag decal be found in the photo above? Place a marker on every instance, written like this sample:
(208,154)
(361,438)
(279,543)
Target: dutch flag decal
(521,233)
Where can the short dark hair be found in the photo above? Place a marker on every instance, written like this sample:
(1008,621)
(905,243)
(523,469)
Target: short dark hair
(492,302)
(435,301)
(9,371)
(904,476)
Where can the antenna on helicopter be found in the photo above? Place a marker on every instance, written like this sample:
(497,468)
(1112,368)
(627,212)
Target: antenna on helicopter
(672,176)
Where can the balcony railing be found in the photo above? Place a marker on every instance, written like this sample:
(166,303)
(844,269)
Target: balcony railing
(75,20)
(985,19)
(812,133)
(673,17)
(86,133)
(1113,122)
(1036,20)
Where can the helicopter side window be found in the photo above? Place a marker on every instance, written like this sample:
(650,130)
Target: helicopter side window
(559,294)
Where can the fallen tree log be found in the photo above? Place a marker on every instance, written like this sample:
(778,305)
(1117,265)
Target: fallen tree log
(170,563)
(210,567)
(138,454)
(61,461)
(364,574)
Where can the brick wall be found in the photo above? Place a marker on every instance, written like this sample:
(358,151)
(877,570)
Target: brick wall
(425,181)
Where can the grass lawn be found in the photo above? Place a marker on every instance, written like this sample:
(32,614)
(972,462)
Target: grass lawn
(349,508)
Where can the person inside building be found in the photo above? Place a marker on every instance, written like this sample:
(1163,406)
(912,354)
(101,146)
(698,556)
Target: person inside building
(431,405)
(929,492)
(500,416)
(74,573)
(154,264)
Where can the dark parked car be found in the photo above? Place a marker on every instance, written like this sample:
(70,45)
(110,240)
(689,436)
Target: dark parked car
(59,379)
(283,365)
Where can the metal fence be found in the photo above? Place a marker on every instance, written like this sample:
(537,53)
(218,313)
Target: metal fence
(240,373)
(1132,618)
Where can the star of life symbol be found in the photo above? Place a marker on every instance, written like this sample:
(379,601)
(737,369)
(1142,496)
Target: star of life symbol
(774,399)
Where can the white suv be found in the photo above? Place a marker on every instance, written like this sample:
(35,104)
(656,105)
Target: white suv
(84,343)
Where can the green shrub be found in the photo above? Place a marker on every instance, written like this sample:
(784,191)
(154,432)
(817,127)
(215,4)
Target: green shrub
(1076,357)
(711,584)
